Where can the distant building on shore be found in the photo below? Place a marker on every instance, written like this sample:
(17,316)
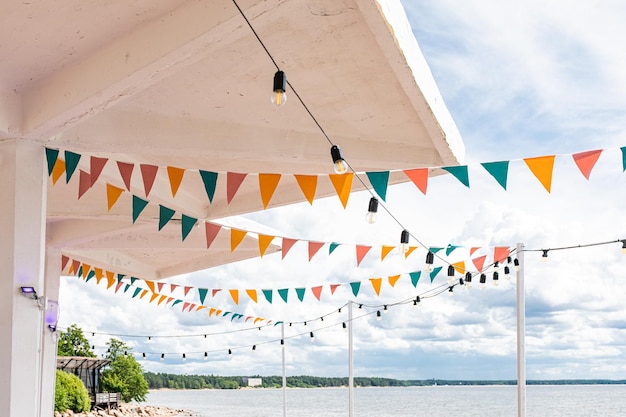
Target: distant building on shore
(255,382)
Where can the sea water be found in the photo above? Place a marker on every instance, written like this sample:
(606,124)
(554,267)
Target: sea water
(432,401)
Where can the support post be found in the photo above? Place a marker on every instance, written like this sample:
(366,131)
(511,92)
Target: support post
(350,363)
(521,332)
(282,347)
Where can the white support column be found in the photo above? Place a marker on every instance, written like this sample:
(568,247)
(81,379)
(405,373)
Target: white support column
(22,226)
(521,334)
(350,363)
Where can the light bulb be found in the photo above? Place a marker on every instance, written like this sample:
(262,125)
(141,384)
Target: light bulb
(279,97)
(624,247)
(378,315)
(544,256)
(516,264)
(450,291)
(495,279)
(404,241)
(372,211)
(162,356)
(184,357)
(340,165)
(507,272)
(205,355)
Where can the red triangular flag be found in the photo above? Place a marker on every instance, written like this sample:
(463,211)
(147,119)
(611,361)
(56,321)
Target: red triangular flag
(361,251)
(148,174)
(126,171)
(287,244)
(186,290)
(233,182)
(313,248)
(64,260)
(215,291)
(317,292)
(479,262)
(419,177)
(500,253)
(333,288)
(211,232)
(95,168)
(585,161)
(84,183)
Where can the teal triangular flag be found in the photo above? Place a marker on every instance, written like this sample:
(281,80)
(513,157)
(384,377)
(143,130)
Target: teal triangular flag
(460,172)
(126,287)
(51,157)
(300,293)
(176,302)
(202,292)
(136,293)
(120,277)
(434,273)
(498,170)
(623,148)
(138,205)
(132,280)
(277,323)
(226,313)
(187,223)
(268,295)
(434,249)
(90,275)
(356,286)
(71,162)
(209,179)
(332,247)
(379,181)
(165,215)
(415,277)
(450,249)
(283,293)
(80,272)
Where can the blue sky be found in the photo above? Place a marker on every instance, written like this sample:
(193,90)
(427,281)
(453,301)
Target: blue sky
(520,80)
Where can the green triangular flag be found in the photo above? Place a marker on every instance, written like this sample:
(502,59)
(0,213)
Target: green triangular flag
(209,179)
(277,323)
(300,293)
(51,157)
(283,293)
(623,148)
(268,295)
(137,291)
(90,275)
(434,249)
(202,292)
(226,313)
(498,170)
(332,247)
(379,181)
(356,286)
(126,287)
(460,172)
(79,273)
(120,277)
(187,223)
(138,205)
(165,215)
(176,302)
(450,249)
(71,162)
(132,280)
(415,277)
(434,273)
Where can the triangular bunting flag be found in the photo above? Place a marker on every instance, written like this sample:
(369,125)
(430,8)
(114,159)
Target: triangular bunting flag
(264,243)
(150,285)
(308,185)
(459,267)
(287,244)
(267,186)
(58,170)
(113,193)
(172,286)
(356,286)
(542,167)
(177,301)
(176,177)
(209,179)
(233,182)
(479,262)
(376,283)
(235,295)
(136,293)
(143,294)
(202,293)
(138,205)
(434,273)
(313,248)
(585,161)
(110,283)
(86,269)
(120,277)
(96,165)
(623,149)
(317,292)
(236,236)
(300,293)
(268,295)
(361,251)
(148,174)
(84,183)
(473,249)
(415,277)
(379,181)
(343,186)
(501,253)
(118,286)
(409,251)
(71,162)
(393,279)
(64,261)
(75,265)
(161,299)
(385,251)
(333,288)
(187,224)
(450,249)
(332,247)
(214,291)
(460,172)
(284,293)
(211,230)
(132,280)
(186,290)
(51,158)
(419,176)
(499,170)
(126,171)
(253,295)
(165,215)
(90,275)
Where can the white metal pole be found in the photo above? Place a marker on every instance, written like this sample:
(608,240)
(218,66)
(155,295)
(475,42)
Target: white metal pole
(282,346)
(521,332)
(350,364)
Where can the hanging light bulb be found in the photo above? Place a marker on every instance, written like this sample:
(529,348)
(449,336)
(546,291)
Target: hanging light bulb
(184,357)
(360,306)
(430,259)
(230,353)
(468,279)
(461,282)
(417,302)
(483,280)
(496,277)
(404,241)
(162,356)
(344,325)
(624,246)
(311,334)
(385,310)
(206,355)
(372,210)
(378,315)
(339,310)
(450,274)
(516,264)
(507,272)
(340,165)
(322,318)
(496,266)
(450,290)
(544,256)
(279,97)
(143,355)
(282,342)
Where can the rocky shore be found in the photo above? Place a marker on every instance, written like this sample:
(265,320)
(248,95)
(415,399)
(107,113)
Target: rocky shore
(130,410)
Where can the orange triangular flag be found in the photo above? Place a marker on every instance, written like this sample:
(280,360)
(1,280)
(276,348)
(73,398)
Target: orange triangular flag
(313,248)
(211,230)
(287,244)
(58,170)
(235,295)
(585,161)
(385,251)
(393,279)
(96,165)
(176,177)
(98,273)
(459,267)
(542,167)
(153,297)
(333,288)
(264,243)
(233,182)
(343,186)
(376,283)
(126,171)
(308,185)
(236,236)
(143,294)
(500,253)
(419,177)
(479,262)
(361,251)
(161,298)
(201,307)
(317,292)
(150,285)
(267,186)
(409,251)
(113,193)
(110,282)
(253,295)
(86,269)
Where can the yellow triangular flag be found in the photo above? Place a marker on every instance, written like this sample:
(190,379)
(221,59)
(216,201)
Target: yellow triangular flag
(176,177)
(113,193)
(267,185)
(98,272)
(343,186)
(161,299)
(153,297)
(264,243)
(252,294)
(86,269)
(385,251)
(308,185)
(236,236)
(376,283)
(459,267)
(542,167)
(409,251)
(58,170)
(393,279)
(235,295)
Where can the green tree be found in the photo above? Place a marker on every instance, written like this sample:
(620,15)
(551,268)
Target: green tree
(124,374)
(72,342)
(70,393)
